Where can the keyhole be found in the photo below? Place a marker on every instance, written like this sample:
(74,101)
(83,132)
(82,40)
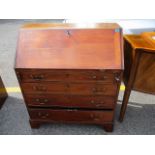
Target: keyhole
(68,33)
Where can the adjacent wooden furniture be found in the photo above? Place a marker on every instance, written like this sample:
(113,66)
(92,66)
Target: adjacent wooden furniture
(69,72)
(139,73)
(3,93)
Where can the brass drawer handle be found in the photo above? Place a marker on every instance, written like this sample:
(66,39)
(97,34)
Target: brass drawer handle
(95,118)
(92,116)
(104,77)
(99,105)
(94,76)
(42,101)
(92,101)
(37,77)
(39,88)
(43,115)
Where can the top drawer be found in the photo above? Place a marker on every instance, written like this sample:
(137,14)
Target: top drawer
(68,75)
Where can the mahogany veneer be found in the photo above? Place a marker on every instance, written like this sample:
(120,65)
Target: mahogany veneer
(70,73)
(139,73)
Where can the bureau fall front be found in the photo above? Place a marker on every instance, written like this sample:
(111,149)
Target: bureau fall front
(70,73)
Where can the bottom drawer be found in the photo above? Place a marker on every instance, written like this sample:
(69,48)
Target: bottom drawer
(77,116)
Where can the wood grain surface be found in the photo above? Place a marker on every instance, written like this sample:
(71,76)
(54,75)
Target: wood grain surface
(69,48)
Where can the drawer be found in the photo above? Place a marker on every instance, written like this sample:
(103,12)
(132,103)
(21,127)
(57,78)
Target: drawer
(76,101)
(70,88)
(64,115)
(70,75)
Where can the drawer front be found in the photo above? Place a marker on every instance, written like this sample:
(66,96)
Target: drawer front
(75,101)
(81,116)
(70,75)
(70,88)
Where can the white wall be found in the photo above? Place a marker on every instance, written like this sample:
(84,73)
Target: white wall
(129,26)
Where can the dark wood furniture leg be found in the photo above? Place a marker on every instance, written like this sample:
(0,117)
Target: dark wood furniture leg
(125,102)
(129,86)
(2,101)
(34,124)
(108,127)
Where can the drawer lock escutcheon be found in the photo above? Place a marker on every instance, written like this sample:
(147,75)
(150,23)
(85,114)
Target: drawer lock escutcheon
(37,77)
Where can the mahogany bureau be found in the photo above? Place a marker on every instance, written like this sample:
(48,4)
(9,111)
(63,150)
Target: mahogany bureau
(69,72)
(139,73)
(3,93)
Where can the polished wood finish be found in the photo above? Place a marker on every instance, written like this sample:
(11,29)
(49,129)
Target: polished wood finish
(139,71)
(70,73)
(70,88)
(71,116)
(3,93)
(84,51)
(149,37)
(32,75)
(71,25)
(71,101)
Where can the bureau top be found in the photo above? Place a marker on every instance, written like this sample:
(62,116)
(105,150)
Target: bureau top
(71,26)
(70,46)
(145,40)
